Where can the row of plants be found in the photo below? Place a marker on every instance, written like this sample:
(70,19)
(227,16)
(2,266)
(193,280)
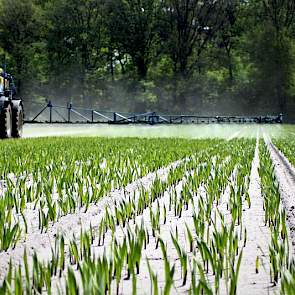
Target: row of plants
(286,146)
(221,237)
(275,218)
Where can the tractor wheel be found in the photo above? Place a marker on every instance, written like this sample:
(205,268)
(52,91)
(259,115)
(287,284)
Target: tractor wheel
(17,121)
(6,122)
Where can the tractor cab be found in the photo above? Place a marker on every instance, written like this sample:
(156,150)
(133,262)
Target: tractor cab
(11,108)
(7,86)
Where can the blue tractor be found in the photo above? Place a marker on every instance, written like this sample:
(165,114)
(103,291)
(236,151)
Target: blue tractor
(11,108)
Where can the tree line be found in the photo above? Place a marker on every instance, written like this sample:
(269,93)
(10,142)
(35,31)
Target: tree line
(191,56)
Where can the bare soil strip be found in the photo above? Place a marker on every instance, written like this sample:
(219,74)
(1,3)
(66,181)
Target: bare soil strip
(285,174)
(258,239)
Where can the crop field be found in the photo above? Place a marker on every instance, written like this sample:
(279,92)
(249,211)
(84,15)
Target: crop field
(180,131)
(148,210)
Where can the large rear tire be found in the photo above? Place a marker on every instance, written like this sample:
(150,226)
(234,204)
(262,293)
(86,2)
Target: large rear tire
(6,122)
(17,121)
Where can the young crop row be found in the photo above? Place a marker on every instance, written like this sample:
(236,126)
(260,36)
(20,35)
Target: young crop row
(194,202)
(282,264)
(274,218)
(287,147)
(53,178)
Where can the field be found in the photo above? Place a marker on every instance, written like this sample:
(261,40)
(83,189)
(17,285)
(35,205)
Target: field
(148,210)
(179,131)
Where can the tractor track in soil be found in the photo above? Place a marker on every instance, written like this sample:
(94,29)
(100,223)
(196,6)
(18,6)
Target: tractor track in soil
(285,174)
(258,239)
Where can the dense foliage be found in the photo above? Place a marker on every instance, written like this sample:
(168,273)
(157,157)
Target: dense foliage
(219,57)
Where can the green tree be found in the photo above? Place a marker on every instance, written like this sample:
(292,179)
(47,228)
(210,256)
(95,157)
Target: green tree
(280,15)
(229,34)
(19,32)
(75,43)
(192,25)
(271,46)
(132,26)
